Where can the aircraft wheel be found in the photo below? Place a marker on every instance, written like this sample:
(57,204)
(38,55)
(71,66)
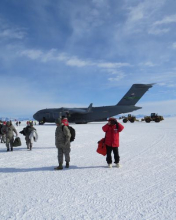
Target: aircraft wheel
(80,122)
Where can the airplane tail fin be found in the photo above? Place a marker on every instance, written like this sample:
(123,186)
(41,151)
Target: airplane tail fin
(134,94)
(89,109)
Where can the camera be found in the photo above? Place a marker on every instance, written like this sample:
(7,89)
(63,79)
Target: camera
(113,122)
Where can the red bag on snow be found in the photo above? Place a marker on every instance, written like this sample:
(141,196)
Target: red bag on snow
(102,147)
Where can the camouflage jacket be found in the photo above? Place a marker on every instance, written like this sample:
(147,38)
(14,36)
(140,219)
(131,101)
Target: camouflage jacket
(62,136)
(9,131)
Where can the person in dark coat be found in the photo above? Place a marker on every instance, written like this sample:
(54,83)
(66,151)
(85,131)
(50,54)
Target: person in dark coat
(26,132)
(112,129)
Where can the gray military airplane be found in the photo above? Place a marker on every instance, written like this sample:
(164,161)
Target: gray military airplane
(90,114)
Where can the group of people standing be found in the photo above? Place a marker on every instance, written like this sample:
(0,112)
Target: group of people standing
(62,139)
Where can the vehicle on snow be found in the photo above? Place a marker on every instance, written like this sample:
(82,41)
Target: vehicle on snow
(130,118)
(153,117)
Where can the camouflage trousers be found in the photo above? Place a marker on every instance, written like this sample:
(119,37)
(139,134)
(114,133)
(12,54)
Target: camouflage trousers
(64,152)
(28,142)
(9,142)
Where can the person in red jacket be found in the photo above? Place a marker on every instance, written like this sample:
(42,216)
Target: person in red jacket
(112,129)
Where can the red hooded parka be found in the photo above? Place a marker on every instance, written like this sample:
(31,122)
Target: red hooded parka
(112,134)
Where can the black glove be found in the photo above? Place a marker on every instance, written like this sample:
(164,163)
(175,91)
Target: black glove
(117,124)
(22,132)
(113,122)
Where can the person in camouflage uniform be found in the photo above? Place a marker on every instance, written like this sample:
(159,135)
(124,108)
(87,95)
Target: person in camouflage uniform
(62,142)
(26,132)
(2,136)
(8,130)
(2,139)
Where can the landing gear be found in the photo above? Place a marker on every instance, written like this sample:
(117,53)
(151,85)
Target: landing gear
(80,122)
(43,121)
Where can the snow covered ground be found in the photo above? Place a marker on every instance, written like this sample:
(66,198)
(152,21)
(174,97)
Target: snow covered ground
(144,188)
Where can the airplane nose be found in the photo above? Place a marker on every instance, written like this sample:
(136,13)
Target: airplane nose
(35,116)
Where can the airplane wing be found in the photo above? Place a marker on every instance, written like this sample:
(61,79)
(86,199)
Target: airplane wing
(78,110)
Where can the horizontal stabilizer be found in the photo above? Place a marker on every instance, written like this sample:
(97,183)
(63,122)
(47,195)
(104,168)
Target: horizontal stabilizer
(134,94)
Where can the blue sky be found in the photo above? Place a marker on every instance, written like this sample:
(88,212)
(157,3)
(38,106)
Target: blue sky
(73,52)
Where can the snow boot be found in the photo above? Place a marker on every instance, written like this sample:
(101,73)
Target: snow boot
(118,165)
(60,167)
(11,148)
(67,165)
(7,149)
(109,165)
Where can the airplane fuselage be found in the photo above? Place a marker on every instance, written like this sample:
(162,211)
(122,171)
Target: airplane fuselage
(90,114)
(96,114)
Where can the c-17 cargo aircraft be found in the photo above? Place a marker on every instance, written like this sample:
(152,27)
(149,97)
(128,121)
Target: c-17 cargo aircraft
(91,114)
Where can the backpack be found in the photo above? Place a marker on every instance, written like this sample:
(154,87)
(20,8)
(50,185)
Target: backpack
(24,131)
(72,132)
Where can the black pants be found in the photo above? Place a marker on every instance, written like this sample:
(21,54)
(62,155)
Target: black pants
(116,154)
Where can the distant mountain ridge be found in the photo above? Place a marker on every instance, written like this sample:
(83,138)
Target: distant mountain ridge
(16,119)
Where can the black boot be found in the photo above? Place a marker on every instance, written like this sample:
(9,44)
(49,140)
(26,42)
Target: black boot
(7,149)
(67,165)
(60,167)
(11,148)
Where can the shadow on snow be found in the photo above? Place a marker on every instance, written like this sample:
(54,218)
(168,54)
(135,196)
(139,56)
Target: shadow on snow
(22,170)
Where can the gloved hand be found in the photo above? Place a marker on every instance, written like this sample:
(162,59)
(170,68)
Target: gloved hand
(117,124)
(113,122)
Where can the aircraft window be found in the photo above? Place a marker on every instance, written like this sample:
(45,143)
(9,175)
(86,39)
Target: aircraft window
(56,115)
